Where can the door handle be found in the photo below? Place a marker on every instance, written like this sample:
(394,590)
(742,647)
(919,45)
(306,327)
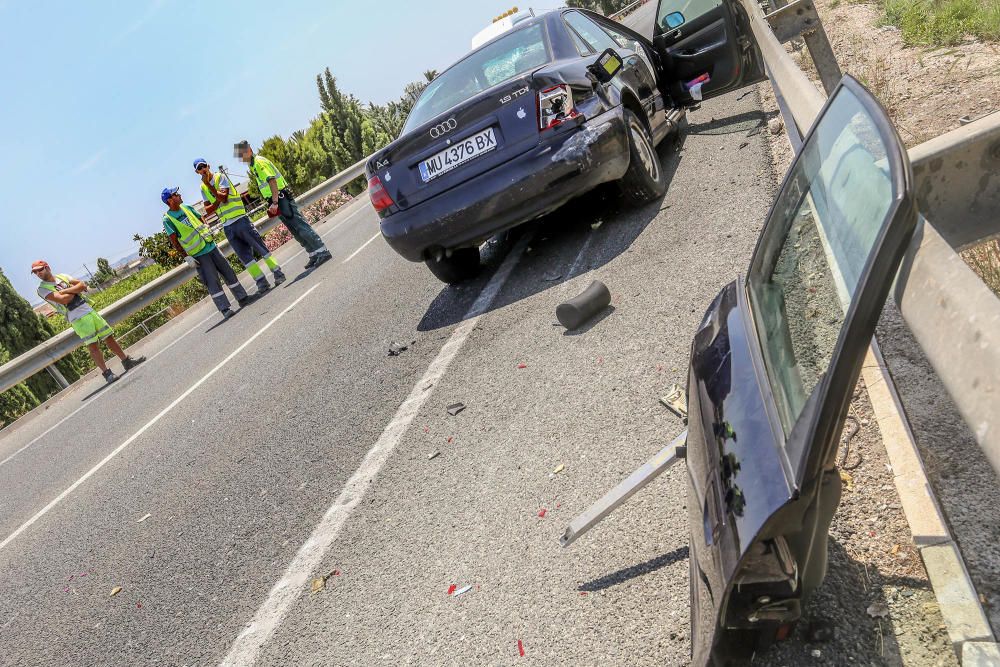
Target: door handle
(676,34)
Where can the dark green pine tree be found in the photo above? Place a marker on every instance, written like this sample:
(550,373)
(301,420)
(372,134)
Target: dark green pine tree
(20,330)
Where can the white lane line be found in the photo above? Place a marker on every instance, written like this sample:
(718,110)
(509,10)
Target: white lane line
(99,396)
(248,645)
(117,450)
(354,254)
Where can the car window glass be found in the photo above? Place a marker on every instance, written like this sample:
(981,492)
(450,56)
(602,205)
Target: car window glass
(516,53)
(597,39)
(690,9)
(581,46)
(620,38)
(808,266)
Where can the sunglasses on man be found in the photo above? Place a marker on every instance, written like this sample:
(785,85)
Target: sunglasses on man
(201,166)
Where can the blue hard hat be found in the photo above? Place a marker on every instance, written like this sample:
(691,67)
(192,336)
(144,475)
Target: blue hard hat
(199,160)
(167,194)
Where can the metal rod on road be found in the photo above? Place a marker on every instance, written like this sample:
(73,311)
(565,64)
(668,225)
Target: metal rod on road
(614,498)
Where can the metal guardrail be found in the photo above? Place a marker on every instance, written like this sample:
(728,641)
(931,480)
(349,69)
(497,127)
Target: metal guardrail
(626,9)
(951,312)
(38,358)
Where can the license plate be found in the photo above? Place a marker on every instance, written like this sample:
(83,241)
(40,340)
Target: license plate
(457,154)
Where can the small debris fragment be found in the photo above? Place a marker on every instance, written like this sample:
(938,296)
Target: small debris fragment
(744,144)
(597,224)
(318,584)
(775,125)
(144,518)
(463,589)
(433,455)
(541,513)
(878,610)
(583,593)
(450,438)
(520,648)
(335,573)
(115,591)
(138,605)
(982,600)
(551,277)
(816,653)
(676,401)
(559,468)
(522,365)
(455,408)
(451,589)
(427,429)
(396,348)
(819,631)
(848,481)
(894,550)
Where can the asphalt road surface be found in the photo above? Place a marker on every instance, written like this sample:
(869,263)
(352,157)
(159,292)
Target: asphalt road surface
(217,482)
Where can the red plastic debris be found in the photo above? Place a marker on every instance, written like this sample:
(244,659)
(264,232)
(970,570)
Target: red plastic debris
(451,589)
(600,360)
(659,367)
(450,438)
(336,573)
(871,533)
(138,605)
(583,593)
(558,505)
(427,429)
(541,513)
(520,648)
(522,365)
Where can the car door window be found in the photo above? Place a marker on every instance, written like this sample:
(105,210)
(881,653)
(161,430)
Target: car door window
(620,38)
(591,33)
(809,264)
(689,9)
(581,46)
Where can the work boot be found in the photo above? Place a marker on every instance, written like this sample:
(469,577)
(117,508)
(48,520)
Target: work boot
(312,261)
(247,300)
(227,313)
(279,277)
(131,362)
(321,257)
(262,288)
(109,376)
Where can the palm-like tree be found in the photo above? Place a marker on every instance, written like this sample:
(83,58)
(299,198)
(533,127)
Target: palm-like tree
(430,75)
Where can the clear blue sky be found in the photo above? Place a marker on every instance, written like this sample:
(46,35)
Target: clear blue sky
(106,103)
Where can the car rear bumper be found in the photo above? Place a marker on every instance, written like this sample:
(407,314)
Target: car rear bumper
(568,164)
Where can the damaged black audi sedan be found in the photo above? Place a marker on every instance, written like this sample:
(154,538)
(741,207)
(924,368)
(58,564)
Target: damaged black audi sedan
(561,103)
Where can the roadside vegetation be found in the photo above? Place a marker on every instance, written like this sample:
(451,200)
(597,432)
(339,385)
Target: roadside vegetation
(943,22)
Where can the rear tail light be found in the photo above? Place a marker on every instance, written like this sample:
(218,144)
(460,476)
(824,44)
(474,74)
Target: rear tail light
(380,198)
(555,106)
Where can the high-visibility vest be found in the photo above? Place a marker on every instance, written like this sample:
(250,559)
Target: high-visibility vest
(53,288)
(230,210)
(264,169)
(192,233)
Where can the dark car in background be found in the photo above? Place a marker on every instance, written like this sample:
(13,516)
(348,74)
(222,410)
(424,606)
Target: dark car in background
(563,102)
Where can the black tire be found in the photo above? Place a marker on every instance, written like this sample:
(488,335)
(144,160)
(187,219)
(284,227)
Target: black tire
(644,180)
(461,265)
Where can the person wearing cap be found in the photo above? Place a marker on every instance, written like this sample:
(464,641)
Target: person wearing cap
(65,294)
(224,200)
(192,238)
(274,189)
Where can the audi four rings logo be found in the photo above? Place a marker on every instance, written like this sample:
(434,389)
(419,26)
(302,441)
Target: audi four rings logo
(444,128)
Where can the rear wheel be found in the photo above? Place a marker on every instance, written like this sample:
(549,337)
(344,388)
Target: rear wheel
(644,180)
(461,265)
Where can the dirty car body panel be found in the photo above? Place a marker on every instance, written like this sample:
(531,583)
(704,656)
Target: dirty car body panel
(774,363)
(531,170)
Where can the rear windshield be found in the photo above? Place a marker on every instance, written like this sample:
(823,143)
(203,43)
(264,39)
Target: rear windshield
(513,54)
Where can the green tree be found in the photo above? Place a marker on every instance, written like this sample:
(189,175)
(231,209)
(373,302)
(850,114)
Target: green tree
(157,248)
(104,273)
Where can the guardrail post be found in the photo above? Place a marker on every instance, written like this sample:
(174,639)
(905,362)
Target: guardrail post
(57,376)
(799,18)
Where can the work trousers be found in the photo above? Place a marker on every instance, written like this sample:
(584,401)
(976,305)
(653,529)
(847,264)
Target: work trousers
(210,266)
(246,242)
(297,225)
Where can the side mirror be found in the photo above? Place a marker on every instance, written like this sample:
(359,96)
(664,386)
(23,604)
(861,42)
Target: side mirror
(673,20)
(607,66)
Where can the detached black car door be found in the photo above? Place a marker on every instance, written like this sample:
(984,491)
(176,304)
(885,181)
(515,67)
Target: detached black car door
(773,366)
(706,48)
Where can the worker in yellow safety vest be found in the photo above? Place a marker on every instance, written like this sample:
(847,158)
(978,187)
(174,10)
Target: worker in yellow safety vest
(65,294)
(193,239)
(223,199)
(274,189)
